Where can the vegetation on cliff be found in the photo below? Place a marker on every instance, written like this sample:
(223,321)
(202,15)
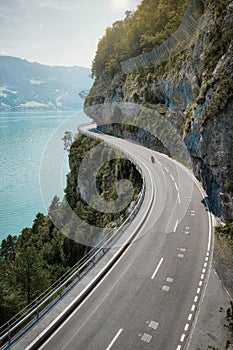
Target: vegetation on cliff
(35,259)
(147,28)
(141,31)
(192,89)
(228,325)
(216,78)
(227,231)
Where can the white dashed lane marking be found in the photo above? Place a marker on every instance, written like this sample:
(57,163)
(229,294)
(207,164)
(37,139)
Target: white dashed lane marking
(194,306)
(176,225)
(179,198)
(182,338)
(157,269)
(114,339)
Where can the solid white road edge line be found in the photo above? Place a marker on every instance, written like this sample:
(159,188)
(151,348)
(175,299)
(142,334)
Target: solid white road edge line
(209,250)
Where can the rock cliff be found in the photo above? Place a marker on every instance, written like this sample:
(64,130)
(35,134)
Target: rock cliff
(192,88)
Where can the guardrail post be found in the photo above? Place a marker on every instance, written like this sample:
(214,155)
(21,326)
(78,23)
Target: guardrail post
(60,291)
(9,334)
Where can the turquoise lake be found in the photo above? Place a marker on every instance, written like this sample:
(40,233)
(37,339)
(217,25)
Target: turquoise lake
(24,141)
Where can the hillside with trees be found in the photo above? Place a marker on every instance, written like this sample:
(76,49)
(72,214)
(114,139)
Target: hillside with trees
(40,255)
(190,86)
(141,31)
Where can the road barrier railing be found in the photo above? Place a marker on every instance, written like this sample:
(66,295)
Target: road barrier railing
(18,325)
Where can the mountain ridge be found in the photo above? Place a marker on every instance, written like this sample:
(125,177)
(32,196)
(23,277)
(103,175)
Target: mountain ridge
(31,85)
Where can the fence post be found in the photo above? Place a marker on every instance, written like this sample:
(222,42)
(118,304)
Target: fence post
(9,334)
(60,291)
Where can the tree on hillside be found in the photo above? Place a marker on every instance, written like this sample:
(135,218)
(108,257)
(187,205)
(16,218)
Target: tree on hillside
(141,31)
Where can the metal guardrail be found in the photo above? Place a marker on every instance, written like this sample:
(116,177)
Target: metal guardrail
(17,326)
(114,146)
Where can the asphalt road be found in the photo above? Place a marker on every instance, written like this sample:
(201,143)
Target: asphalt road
(150,297)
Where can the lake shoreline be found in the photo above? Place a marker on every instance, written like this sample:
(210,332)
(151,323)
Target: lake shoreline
(24,136)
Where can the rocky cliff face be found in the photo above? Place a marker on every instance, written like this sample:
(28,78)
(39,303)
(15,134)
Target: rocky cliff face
(193,90)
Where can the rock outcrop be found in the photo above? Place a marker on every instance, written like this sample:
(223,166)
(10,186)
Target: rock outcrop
(193,90)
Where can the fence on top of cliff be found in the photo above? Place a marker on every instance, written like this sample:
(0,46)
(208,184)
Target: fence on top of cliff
(173,45)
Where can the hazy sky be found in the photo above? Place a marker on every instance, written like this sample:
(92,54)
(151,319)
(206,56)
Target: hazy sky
(57,32)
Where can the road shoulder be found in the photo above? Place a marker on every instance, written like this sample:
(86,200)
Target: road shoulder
(209,329)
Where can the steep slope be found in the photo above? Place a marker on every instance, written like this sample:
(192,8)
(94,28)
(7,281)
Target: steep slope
(26,85)
(191,85)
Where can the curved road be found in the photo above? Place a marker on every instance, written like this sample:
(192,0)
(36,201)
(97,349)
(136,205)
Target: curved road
(151,296)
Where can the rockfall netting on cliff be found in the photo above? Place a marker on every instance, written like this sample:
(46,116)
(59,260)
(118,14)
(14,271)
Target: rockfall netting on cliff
(175,44)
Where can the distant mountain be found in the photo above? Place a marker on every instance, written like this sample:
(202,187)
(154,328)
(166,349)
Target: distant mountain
(26,85)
